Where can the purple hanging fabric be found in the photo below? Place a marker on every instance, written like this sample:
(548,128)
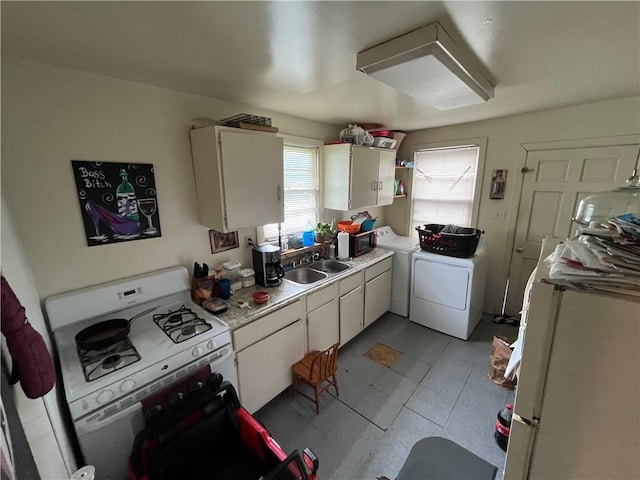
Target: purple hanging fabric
(32,362)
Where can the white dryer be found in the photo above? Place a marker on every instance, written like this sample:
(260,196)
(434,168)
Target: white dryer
(447,293)
(403,248)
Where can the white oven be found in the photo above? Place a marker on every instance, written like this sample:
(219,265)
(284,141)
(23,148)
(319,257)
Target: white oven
(170,344)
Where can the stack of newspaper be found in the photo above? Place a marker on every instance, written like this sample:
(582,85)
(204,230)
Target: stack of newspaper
(601,259)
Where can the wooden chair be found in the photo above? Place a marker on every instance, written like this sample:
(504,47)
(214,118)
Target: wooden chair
(314,369)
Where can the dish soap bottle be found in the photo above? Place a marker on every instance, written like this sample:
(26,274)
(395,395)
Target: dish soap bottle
(308,235)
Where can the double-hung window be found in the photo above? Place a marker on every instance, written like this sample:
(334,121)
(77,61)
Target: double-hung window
(301,189)
(446,181)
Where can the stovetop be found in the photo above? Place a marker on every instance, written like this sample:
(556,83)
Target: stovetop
(97,363)
(149,340)
(159,294)
(181,324)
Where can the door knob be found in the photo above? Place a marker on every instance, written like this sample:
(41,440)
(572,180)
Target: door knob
(519,249)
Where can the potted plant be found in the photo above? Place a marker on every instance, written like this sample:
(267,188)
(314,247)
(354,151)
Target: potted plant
(323,232)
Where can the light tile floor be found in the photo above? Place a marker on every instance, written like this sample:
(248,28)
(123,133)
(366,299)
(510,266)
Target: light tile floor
(438,386)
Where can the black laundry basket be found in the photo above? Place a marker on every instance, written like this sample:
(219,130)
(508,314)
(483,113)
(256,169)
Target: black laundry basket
(453,242)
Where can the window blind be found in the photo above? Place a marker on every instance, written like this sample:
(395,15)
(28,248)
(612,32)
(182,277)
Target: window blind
(443,186)
(301,191)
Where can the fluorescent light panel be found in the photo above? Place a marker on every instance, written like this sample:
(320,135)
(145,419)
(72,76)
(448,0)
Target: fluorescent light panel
(427,64)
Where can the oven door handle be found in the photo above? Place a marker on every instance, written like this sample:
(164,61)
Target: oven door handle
(84,427)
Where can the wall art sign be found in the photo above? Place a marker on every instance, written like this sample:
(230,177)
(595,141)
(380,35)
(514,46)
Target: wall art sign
(498,183)
(222,241)
(117,200)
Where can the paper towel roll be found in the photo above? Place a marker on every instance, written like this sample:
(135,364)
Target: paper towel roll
(88,472)
(343,246)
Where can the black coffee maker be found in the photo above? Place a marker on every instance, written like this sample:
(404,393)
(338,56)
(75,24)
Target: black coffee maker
(267,266)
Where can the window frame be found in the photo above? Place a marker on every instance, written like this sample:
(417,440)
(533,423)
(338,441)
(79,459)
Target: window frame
(481,144)
(303,142)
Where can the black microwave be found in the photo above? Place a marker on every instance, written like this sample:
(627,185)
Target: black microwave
(363,242)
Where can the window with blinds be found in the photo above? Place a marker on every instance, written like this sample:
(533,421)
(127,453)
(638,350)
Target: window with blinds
(444,182)
(301,191)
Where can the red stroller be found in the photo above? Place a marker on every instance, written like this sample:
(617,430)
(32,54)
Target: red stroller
(208,435)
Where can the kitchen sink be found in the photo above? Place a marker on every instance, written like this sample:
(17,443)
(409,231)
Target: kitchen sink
(304,275)
(329,266)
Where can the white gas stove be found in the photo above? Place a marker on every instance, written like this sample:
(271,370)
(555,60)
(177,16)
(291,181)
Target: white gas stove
(169,338)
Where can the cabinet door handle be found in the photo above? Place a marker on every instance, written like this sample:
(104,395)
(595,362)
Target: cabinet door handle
(380,186)
(279,192)
(375,186)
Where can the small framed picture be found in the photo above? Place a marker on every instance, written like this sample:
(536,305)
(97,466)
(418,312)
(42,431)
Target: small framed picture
(222,241)
(498,184)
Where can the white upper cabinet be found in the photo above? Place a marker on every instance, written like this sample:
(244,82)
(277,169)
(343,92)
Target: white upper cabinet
(356,177)
(239,177)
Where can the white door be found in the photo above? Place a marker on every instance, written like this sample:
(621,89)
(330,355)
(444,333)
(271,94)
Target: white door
(555,183)
(351,314)
(264,368)
(364,176)
(441,283)
(324,326)
(253,179)
(386,177)
(377,297)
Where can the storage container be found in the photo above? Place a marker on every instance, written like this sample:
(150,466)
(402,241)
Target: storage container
(248,277)
(232,272)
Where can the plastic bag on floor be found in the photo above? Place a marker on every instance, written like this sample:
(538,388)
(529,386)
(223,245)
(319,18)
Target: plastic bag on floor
(498,361)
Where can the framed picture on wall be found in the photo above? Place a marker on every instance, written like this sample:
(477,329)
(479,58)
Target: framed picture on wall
(118,201)
(222,241)
(498,183)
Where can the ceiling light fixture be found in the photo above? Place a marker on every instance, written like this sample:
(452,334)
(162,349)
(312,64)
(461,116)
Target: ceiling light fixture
(428,64)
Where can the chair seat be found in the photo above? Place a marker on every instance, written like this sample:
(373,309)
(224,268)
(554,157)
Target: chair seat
(316,368)
(303,368)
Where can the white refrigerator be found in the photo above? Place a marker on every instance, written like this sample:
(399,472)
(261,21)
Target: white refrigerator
(577,404)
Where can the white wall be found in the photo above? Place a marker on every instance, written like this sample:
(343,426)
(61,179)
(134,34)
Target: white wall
(505,135)
(47,438)
(51,116)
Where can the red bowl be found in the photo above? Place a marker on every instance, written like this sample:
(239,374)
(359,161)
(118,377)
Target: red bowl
(261,297)
(380,133)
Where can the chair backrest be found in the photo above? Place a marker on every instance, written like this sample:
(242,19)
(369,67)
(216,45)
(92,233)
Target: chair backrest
(325,364)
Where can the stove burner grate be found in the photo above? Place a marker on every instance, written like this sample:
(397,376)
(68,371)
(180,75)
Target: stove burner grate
(100,362)
(181,324)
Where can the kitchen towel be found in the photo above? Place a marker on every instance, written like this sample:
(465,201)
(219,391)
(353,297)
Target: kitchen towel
(32,363)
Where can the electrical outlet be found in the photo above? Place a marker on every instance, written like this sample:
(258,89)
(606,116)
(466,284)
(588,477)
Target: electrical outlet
(499,214)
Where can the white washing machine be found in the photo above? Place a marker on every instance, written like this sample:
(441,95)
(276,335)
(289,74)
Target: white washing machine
(447,293)
(403,248)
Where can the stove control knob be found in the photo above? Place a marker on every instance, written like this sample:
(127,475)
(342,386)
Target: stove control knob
(211,344)
(105,396)
(127,385)
(197,352)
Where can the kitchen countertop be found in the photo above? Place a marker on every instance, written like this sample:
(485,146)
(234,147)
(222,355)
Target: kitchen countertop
(288,292)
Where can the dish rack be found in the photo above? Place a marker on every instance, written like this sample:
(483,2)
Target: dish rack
(461,243)
(236,120)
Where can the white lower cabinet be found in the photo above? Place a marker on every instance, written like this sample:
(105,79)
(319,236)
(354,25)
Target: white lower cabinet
(351,314)
(264,367)
(323,329)
(268,347)
(322,318)
(377,292)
